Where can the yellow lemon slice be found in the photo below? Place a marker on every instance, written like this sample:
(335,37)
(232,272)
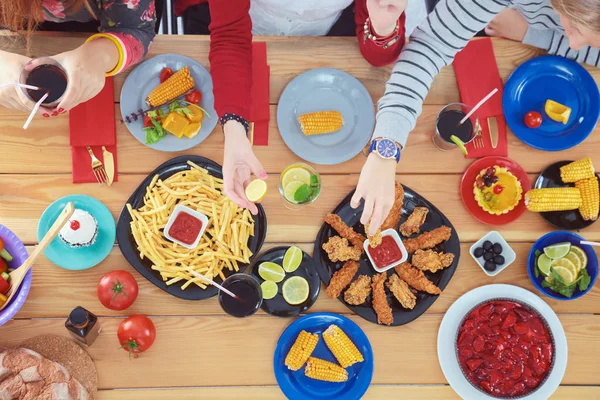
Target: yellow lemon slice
(574,258)
(295,174)
(256,190)
(564,270)
(557,111)
(581,254)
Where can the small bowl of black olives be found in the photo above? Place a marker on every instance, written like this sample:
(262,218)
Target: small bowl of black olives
(492,253)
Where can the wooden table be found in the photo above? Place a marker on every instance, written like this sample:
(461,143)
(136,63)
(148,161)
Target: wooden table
(199,351)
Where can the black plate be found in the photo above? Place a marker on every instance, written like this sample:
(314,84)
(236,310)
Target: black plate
(277,305)
(351,217)
(568,220)
(129,248)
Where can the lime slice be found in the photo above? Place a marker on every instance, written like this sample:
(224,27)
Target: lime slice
(292,259)
(270,271)
(574,258)
(558,250)
(544,263)
(295,174)
(269,289)
(459,143)
(290,190)
(256,190)
(295,290)
(581,254)
(565,271)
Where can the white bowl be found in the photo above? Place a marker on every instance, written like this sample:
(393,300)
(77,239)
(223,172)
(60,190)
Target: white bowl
(181,208)
(507,252)
(394,234)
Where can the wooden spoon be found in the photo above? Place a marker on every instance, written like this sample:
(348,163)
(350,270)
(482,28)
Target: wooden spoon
(18,275)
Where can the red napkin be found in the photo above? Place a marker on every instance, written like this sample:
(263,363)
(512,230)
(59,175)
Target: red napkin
(261,76)
(93,124)
(477,75)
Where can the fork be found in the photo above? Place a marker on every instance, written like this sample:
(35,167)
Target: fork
(479,142)
(97,167)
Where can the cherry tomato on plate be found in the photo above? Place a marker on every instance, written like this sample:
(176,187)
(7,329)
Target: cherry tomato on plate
(136,334)
(165,74)
(117,290)
(195,97)
(533,119)
(148,122)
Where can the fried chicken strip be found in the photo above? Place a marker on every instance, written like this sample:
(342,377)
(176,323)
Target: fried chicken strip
(416,279)
(341,278)
(428,240)
(401,292)
(380,303)
(338,249)
(358,291)
(430,260)
(345,231)
(414,222)
(376,239)
(391,221)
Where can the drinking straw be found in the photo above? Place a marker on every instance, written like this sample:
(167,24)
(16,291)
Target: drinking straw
(590,243)
(35,109)
(20,85)
(215,284)
(486,98)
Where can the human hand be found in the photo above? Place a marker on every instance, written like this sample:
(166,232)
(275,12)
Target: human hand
(238,165)
(509,24)
(384,15)
(13,96)
(376,186)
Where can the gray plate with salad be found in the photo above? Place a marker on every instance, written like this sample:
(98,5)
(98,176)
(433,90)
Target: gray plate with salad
(146,124)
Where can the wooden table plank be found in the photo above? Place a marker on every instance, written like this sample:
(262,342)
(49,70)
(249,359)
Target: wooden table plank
(188,347)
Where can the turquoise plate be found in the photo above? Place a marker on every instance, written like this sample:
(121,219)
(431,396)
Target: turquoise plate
(81,258)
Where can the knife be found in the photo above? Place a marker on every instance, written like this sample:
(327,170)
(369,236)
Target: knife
(493,128)
(109,165)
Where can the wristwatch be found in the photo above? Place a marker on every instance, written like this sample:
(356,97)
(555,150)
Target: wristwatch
(386,148)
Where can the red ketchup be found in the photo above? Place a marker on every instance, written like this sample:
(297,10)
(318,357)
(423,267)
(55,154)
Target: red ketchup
(505,348)
(185,228)
(386,253)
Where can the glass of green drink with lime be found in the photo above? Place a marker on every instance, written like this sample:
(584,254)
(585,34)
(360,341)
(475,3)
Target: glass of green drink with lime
(299,185)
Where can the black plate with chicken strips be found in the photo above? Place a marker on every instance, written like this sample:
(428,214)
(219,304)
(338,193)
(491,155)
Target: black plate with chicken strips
(401,294)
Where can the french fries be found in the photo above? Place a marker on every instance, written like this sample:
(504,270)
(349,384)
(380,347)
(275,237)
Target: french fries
(224,244)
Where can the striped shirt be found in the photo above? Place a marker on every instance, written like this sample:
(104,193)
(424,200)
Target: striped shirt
(446,31)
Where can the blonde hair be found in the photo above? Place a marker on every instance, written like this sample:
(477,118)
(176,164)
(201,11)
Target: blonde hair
(583,13)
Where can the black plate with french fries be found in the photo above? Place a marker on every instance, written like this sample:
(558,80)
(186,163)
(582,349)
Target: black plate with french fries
(166,264)
(421,300)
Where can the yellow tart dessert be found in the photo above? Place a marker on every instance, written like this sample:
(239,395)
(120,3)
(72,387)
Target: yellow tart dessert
(497,190)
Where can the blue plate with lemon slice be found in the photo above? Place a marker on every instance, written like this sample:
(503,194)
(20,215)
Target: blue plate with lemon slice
(297,386)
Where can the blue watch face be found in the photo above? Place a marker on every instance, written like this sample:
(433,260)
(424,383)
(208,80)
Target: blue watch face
(386,148)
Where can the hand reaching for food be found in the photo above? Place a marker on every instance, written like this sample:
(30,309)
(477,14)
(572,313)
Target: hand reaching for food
(384,15)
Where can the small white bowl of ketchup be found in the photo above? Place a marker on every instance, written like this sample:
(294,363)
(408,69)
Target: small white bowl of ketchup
(390,253)
(185,226)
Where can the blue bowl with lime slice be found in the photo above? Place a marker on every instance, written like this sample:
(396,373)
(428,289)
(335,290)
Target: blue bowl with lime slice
(561,267)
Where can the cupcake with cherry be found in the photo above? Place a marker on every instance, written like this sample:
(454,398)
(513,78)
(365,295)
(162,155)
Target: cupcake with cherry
(496,190)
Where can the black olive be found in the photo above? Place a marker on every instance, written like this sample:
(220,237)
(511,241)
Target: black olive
(488,256)
(494,179)
(489,266)
(478,252)
(499,260)
(488,182)
(497,248)
(485,177)
(487,245)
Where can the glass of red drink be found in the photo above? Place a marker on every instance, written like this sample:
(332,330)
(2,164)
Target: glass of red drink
(247,288)
(447,125)
(49,76)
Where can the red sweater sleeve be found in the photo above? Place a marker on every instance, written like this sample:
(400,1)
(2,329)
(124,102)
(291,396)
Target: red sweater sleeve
(231,56)
(375,55)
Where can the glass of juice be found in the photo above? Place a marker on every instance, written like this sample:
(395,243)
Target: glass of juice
(49,76)
(299,185)
(446,126)
(247,288)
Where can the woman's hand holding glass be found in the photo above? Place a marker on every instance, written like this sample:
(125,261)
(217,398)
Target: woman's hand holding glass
(13,96)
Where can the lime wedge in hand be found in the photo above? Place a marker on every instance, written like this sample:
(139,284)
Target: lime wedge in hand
(558,250)
(270,271)
(295,290)
(578,251)
(292,259)
(544,263)
(574,258)
(565,269)
(295,174)
(459,143)
(269,289)
(290,190)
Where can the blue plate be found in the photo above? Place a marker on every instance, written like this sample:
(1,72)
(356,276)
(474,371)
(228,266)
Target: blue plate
(61,254)
(145,77)
(325,89)
(558,79)
(557,237)
(296,386)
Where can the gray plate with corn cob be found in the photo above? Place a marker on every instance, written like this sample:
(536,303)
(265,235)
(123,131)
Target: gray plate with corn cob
(145,78)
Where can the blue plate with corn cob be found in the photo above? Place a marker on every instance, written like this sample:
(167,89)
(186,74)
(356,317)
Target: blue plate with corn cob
(323,356)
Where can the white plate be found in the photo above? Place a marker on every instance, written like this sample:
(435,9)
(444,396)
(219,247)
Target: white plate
(449,328)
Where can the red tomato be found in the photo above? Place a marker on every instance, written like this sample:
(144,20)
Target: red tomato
(195,97)
(136,334)
(165,74)
(117,290)
(533,119)
(148,121)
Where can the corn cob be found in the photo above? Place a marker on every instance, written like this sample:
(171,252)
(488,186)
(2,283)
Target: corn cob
(175,86)
(302,349)
(577,170)
(325,371)
(341,346)
(317,123)
(553,199)
(590,199)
